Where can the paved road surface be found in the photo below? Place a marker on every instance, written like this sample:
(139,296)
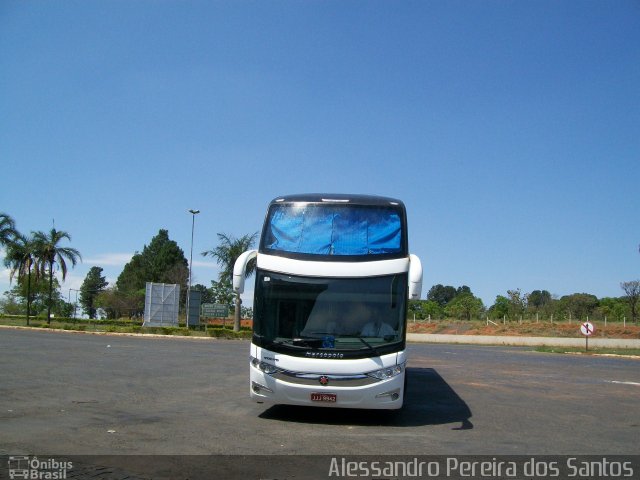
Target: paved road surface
(65,394)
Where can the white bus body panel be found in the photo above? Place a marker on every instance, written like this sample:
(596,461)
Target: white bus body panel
(332,269)
(381,394)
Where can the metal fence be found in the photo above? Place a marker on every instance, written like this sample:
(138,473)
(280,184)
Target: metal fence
(161,305)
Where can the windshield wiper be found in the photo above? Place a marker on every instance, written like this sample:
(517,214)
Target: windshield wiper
(369,346)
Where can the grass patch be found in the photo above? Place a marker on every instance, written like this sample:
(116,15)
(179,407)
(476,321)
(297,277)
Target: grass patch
(634,352)
(129,326)
(229,333)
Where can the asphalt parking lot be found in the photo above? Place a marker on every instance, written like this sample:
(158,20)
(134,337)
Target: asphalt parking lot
(78,394)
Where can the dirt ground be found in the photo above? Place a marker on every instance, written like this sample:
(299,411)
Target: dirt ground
(528,329)
(244,322)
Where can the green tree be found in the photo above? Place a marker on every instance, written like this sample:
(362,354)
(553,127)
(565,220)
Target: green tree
(49,252)
(632,292)
(9,305)
(612,307)
(517,302)
(7,229)
(207,293)
(162,261)
(425,309)
(431,309)
(465,306)
(462,289)
(578,305)
(538,299)
(114,304)
(500,307)
(222,293)
(38,296)
(20,259)
(414,309)
(441,294)
(226,254)
(94,283)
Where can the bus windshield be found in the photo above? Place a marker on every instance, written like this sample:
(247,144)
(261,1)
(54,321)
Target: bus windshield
(329,313)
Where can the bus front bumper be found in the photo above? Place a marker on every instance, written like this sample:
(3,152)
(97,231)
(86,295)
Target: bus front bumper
(385,394)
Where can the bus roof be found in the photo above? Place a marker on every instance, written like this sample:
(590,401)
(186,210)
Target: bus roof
(338,198)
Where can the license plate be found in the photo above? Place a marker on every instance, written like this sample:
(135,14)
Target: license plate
(324,397)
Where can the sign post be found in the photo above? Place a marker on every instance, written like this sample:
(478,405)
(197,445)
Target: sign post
(215,310)
(587,330)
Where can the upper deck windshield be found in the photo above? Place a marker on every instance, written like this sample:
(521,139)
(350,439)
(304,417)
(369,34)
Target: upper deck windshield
(363,316)
(346,231)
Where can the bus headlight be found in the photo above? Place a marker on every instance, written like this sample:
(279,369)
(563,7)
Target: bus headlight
(264,367)
(386,373)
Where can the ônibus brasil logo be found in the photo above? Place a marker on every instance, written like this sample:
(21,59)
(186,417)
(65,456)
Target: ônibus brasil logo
(25,467)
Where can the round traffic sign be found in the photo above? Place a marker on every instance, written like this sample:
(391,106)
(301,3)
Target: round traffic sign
(587,329)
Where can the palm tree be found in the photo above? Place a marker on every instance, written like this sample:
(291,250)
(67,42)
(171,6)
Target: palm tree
(20,259)
(49,252)
(7,229)
(226,254)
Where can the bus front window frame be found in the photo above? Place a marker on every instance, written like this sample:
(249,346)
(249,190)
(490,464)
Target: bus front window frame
(354,316)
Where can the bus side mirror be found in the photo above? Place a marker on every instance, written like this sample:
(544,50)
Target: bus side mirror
(415,277)
(239,269)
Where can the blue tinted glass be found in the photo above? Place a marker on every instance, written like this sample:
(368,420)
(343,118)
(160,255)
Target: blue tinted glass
(334,230)
(285,229)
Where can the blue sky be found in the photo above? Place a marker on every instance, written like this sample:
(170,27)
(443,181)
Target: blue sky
(509,129)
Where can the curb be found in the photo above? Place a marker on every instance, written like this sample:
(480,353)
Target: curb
(118,334)
(522,341)
(411,338)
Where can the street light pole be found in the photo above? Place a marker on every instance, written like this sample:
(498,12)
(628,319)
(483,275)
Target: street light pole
(193,222)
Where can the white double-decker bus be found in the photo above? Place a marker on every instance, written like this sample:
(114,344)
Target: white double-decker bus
(333,276)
